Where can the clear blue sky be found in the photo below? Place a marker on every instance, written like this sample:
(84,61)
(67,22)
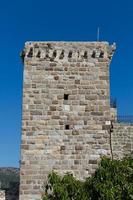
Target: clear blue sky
(59,20)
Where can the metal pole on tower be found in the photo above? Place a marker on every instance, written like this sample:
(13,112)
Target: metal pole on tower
(98,33)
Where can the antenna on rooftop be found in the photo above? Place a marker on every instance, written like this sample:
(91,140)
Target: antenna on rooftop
(98,34)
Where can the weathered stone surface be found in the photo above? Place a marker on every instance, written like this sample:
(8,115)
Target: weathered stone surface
(122,139)
(65,106)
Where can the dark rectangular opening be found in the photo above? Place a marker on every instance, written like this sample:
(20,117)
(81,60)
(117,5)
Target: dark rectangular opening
(66,96)
(70,54)
(67,127)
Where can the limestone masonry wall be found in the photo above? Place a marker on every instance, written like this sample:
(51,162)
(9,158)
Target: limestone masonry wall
(122,139)
(66,111)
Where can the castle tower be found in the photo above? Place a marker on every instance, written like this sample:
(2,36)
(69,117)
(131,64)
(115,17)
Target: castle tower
(66,111)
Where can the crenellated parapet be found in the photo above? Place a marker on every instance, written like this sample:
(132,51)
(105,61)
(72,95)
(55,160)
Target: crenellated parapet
(70,51)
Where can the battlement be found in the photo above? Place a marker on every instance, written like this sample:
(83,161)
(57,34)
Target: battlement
(70,51)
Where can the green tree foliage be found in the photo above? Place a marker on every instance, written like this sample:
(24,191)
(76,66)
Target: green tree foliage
(113,180)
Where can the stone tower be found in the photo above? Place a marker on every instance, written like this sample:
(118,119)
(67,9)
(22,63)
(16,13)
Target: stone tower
(66,111)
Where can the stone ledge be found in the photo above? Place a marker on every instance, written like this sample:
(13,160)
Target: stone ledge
(71,51)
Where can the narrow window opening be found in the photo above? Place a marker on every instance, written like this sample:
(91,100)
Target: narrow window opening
(66,96)
(38,54)
(93,54)
(85,55)
(54,54)
(67,127)
(101,54)
(30,54)
(62,55)
(78,54)
(70,54)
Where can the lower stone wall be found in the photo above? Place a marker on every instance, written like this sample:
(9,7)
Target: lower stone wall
(75,151)
(122,139)
(2,194)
